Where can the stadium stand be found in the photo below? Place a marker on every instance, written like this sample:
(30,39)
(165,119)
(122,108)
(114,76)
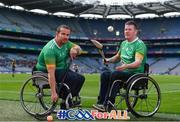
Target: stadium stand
(23,34)
(163,66)
(25,62)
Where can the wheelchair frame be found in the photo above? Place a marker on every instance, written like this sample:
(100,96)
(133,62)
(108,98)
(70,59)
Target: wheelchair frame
(38,84)
(137,83)
(35,96)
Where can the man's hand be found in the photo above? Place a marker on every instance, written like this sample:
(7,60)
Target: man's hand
(105,61)
(73,53)
(54,97)
(122,67)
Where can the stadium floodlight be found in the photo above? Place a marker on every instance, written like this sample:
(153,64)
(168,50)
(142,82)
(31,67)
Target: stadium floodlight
(99,46)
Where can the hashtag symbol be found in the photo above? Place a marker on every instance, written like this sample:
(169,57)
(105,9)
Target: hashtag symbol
(61,114)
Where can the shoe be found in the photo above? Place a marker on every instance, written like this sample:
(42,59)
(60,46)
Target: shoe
(77,101)
(70,102)
(109,108)
(127,109)
(99,107)
(63,106)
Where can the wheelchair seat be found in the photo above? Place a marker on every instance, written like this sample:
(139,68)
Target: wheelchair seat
(39,81)
(36,72)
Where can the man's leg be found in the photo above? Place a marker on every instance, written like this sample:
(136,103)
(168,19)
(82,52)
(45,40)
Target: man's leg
(117,75)
(104,84)
(13,71)
(75,81)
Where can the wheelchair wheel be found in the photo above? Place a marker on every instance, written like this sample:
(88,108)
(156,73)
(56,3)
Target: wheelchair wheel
(35,96)
(120,103)
(148,97)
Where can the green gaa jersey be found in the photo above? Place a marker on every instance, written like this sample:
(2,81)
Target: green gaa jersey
(52,54)
(127,53)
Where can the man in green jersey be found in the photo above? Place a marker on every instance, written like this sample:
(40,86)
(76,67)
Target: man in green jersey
(132,53)
(53,60)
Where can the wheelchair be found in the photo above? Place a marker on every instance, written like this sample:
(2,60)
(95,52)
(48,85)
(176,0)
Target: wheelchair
(35,96)
(140,94)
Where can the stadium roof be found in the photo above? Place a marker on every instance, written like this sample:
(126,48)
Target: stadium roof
(77,7)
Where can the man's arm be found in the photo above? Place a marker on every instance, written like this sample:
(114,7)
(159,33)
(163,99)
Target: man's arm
(113,59)
(78,49)
(138,60)
(75,50)
(52,82)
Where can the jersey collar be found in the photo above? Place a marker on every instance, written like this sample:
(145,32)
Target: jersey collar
(133,40)
(57,44)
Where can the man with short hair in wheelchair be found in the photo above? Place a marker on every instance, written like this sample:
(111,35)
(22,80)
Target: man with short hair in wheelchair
(132,53)
(53,60)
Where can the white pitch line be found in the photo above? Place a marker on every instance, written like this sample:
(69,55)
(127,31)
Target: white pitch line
(9,92)
(15,92)
(172,91)
(88,97)
(10,81)
(85,97)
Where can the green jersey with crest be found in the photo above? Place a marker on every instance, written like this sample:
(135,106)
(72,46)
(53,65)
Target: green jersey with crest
(127,53)
(52,54)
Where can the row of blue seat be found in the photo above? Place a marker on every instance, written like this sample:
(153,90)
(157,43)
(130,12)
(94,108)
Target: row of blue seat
(85,28)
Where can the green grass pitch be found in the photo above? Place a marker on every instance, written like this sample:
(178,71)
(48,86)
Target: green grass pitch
(10,89)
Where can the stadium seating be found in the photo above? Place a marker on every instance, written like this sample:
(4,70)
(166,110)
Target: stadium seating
(153,31)
(164,65)
(86,64)
(19,21)
(24,62)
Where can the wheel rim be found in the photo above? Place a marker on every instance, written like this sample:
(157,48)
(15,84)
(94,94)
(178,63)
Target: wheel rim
(32,97)
(148,98)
